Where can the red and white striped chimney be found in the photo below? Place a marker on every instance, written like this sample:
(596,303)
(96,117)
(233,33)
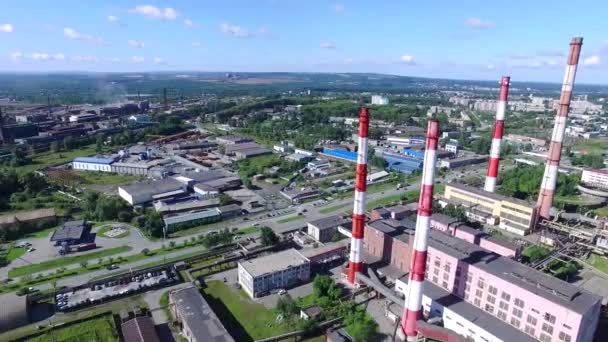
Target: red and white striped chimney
(356,243)
(497,138)
(547,188)
(412,311)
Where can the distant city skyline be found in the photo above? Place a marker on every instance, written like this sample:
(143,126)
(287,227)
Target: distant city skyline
(478,40)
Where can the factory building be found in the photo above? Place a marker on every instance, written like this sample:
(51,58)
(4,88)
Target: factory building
(275,271)
(463,161)
(401,163)
(197,320)
(324,229)
(145,192)
(379,100)
(503,297)
(595,178)
(513,215)
(92,164)
(339,153)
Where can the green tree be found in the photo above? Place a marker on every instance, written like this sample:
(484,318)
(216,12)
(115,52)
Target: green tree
(269,238)
(534,253)
(287,306)
(225,199)
(321,285)
(55,147)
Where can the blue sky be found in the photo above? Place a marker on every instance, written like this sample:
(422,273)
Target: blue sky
(453,39)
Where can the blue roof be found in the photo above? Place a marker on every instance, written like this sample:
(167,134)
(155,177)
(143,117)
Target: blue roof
(93,160)
(340,153)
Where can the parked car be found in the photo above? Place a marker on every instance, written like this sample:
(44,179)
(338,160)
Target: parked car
(112,267)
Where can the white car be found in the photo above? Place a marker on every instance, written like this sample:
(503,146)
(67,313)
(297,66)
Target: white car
(282,292)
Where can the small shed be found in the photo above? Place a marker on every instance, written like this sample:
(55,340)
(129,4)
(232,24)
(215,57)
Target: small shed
(311,312)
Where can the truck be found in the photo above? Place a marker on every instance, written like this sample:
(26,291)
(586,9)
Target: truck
(82,247)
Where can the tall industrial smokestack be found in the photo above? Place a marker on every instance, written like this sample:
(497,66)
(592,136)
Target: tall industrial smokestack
(547,188)
(412,311)
(355,263)
(166,101)
(497,138)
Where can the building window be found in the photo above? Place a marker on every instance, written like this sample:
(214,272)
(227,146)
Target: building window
(515,322)
(529,330)
(518,313)
(489,308)
(467,287)
(548,328)
(460,324)
(505,296)
(519,302)
(545,338)
(471,332)
(535,311)
(478,293)
(446,276)
(435,280)
(564,337)
(504,306)
(549,318)
(493,290)
(436,271)
(444,284)
(532,320)
(502,315)
(469,277)
(477,302)
(458,271)
(491,299)
(480,283)
(567,326)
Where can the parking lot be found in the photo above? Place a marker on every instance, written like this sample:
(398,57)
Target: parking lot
(101,292)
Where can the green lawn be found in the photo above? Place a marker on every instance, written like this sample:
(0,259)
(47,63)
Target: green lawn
(41,233)
(602,211)
(249,230)
(245,319)
(331,209)
(592,145)
(290,218)
(15,253)
(105,178)
(97,329)
(63,261)
(599,262)
(45,159)
(102,232)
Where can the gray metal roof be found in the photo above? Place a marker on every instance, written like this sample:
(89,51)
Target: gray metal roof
(273,262)
(139,329)
(71,230)
(14,311)
(205,176)
(534,281)
(330,222)
(152,187)
(198,316)
(487,194)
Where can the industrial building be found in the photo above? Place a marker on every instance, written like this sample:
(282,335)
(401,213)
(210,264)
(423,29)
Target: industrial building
(400,163)
(324,229)
(513,215)
(139,329)
(145,192)
(595,178)
(92,164)
(341,154)
(275,271)
(514,295)
(379,100)
(462,161)
(196,319)
(297,195)
(36,218)
(71,232)
(232,140)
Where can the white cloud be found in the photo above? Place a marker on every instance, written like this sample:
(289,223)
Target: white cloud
(136,44)
(592,60)
(519,55)
(478,24)
(153,12)
(327,45)
(113,19)
(265,32)
(158,60)
(348,61)
(6,28)
(70,33)
(43,56)
(490,66)
(234,31)
(409,59)
(115,60)
(85,59)
(339,8)
(196,44)
(17,55)
(190,24)
(137,59)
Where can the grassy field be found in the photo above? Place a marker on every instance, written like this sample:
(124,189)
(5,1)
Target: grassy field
(592,145)
(602,211)
(105,178)
(102,232)
(41,233)
(249,230)
(245,319)
(290,218)
(599,262)
(42,160)
(98,329)
(331,209)
(15,253)
(60,262)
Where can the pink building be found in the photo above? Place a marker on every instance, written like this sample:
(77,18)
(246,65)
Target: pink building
(530,301)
